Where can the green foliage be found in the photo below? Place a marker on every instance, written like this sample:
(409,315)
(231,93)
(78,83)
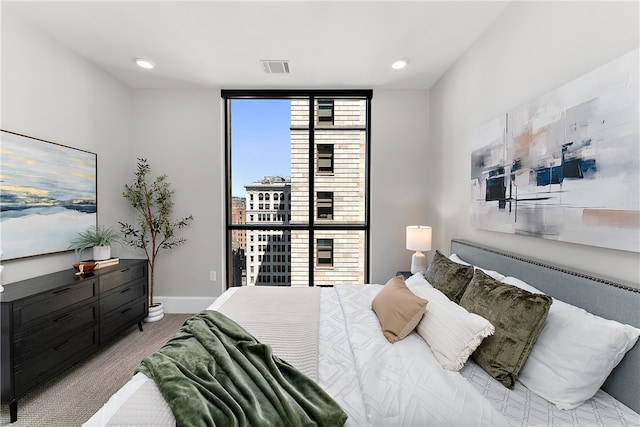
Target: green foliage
(154,229)
(96,236)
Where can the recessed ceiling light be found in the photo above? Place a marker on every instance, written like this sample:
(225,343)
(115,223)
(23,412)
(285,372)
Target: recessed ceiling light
(399,64)
(144,63)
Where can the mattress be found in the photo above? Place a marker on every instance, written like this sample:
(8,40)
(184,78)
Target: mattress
(381,384)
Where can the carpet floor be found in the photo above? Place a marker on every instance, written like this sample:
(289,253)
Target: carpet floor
(73,396)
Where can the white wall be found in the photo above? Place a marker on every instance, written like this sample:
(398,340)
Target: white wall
(50,93)
(400,188)
(533,47)
(180,133)
(53,94)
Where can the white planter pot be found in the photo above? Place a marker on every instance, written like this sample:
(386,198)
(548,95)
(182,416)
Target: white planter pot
(156,312)
(100,253)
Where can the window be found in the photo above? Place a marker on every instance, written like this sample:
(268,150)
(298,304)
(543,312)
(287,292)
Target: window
(325,158)
(325,111)
(307,180)
(325,205)
(325,252)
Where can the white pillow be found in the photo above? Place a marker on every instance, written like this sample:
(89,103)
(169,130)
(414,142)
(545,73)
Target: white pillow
(416,281)
(451,331)
(490,273)
(574,354)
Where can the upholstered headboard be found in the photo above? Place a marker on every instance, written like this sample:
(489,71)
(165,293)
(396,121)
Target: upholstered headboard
(602,297)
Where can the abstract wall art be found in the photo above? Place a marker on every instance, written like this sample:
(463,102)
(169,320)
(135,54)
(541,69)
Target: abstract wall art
(47,195)
(565,166)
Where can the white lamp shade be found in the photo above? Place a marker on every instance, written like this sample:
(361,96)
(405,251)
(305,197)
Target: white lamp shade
(419,238)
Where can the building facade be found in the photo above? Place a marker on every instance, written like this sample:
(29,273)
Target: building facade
(339,187)
(268,252)
(238,216)
(238,242)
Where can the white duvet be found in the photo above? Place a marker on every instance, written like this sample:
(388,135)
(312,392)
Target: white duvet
(401,384)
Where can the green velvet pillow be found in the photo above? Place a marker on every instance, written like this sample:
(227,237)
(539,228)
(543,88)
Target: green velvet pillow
(518,317)
(448,277)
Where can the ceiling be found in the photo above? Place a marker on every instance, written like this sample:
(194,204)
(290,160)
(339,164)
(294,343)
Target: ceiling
(219,44)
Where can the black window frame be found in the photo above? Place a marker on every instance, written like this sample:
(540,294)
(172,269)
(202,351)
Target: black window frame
(312,227)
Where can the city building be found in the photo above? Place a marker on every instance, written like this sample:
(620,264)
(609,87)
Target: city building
(239,242)
(238,215)
(268,252)
(339,186)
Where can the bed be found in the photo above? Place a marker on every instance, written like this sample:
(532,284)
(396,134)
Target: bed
(404,383)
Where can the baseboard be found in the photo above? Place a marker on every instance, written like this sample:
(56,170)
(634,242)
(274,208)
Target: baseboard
(184,304)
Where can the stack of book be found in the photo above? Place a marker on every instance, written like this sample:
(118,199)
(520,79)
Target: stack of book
(106,263)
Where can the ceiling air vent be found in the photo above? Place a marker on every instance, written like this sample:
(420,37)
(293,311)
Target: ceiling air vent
(271,66)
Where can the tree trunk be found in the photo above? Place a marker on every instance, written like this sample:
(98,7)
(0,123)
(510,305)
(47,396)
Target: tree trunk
(151,278)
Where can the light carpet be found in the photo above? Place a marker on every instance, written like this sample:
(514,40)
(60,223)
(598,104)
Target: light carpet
(72,397)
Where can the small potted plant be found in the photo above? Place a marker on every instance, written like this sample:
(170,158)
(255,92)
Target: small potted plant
(98,238)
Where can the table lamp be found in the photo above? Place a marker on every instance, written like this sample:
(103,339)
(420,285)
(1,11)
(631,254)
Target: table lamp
(418,239)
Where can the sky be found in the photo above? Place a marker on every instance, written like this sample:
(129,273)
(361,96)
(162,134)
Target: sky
(260,141)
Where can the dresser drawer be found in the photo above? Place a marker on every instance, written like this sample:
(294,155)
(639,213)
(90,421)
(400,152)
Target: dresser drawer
(53,359)
(49,302)
(122,276)
(122,296)
(37,337)
(123,317)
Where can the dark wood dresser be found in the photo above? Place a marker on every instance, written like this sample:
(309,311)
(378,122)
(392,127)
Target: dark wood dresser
(50,322)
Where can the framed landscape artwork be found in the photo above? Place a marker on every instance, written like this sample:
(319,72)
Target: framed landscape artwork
(47,195)
(565,166)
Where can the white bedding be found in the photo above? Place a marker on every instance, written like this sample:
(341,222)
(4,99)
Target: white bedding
(524,408)
(378,383)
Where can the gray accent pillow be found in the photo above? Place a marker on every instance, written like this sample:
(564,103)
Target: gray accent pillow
(518,317)
(448,277)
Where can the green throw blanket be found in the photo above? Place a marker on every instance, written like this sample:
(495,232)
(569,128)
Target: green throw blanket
(213,372)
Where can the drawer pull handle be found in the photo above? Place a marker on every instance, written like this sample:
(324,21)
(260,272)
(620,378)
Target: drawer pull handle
(62,290)
(125,290)
(125,269)
(64,344)
(61,318)
(124,311)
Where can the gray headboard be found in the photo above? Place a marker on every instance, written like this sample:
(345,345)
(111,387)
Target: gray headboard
(602,297)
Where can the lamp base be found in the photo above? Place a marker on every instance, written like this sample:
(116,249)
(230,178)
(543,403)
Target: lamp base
(418,262)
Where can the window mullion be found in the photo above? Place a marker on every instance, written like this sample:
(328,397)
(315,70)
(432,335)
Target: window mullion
(311,171)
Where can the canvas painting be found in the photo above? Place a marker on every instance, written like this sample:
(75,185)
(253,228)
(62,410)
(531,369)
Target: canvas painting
(47,195)
(565,166)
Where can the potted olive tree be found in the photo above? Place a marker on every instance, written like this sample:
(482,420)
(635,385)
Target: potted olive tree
(154,230)
(98,238)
